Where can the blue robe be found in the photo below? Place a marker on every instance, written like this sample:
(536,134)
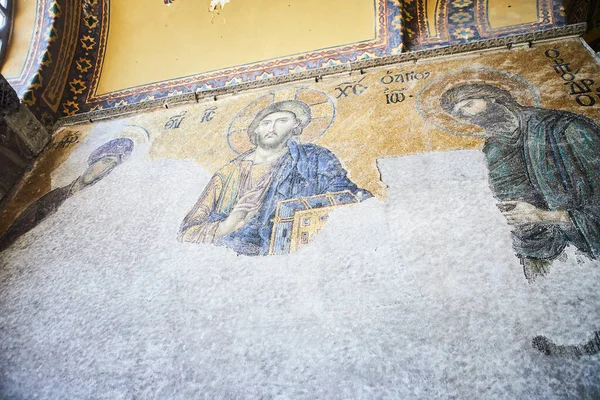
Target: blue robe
(305,170)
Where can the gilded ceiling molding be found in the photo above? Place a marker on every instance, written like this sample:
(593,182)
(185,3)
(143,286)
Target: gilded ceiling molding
(52,79)
(58,82)
(387,41)
(317,74)
(63,68)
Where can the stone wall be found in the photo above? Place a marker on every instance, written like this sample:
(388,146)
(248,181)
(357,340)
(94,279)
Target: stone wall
(22,137)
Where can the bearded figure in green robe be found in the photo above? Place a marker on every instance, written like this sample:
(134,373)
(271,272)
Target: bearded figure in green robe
(544,167)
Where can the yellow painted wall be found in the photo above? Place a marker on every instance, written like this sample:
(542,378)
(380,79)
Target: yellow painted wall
(432,10)
(22,34)
(150,42)
(503,13)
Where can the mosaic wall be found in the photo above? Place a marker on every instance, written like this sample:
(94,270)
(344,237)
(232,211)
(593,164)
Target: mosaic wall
(429,219)
(66,57)
(284,158)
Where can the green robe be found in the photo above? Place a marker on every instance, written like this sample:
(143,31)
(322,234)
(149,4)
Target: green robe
(553,162)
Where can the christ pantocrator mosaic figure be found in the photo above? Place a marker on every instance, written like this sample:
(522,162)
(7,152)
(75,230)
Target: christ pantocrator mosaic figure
(239,203)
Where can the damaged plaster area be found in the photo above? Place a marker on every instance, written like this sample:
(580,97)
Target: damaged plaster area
(417,296)
(216,5)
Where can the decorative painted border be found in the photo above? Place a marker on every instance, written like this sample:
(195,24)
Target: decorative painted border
(90,46)
(423,22)
(386,42)
(47,57)
(317,74)
(461,21)
(586,11)
(45,79)
(82,49)
(546,18)
(58,81)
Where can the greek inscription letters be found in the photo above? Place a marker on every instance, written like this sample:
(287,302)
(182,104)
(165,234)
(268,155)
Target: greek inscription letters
(68,140)
(394,96)
(347,88)
(209,113)
(582,89)
(175,121)
(403,77)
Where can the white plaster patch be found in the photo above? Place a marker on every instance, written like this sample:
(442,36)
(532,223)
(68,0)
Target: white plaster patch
(417,296)
(217,4)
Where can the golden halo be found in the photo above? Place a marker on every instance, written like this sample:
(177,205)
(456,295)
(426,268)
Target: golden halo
(138,134)
(430,109)
(322,116)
